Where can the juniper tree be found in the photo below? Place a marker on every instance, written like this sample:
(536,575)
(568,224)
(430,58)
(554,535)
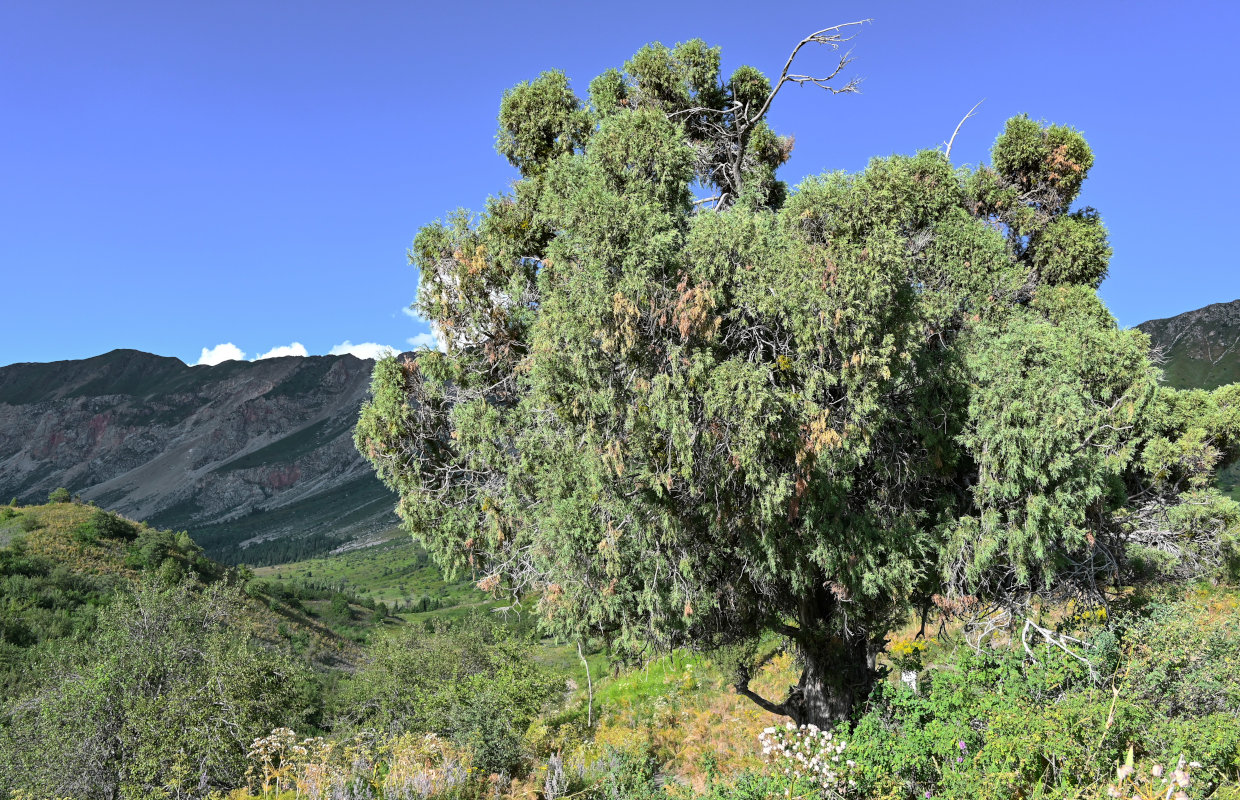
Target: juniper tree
(684,423)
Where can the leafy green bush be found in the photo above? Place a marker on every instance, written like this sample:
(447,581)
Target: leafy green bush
(163,694)
(152,549)
(41,601)
(475,683)
(338,610)
(60,495)
(999,723)
(627,776)
(102,525)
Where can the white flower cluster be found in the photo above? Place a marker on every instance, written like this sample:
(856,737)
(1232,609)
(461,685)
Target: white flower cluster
(807,751)
(1129,780)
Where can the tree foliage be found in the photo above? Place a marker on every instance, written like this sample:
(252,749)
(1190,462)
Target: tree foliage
(806,412)
(162,699)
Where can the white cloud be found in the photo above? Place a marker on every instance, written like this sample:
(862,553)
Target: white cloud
(294,349)
(363,350)
(423,340)
(409,312)
(221,353)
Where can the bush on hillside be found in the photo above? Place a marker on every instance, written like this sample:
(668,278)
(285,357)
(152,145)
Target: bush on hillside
(475,683)
(164,696)
(999,723)
(103,525)
(60,495)
(338,609)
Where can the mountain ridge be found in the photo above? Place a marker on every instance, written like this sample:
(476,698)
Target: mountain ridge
(207,448)
(1198,349)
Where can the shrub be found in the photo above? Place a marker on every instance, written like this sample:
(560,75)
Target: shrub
(102,525)
(999,723)
(338,610)
(403,766)
(60,495)
(476,684)
(163,694)
(149,548)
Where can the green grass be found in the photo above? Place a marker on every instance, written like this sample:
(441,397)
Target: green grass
(397,572)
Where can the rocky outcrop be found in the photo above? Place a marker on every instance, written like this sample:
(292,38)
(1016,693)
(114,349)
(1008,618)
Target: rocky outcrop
(1198,349)
(238,453)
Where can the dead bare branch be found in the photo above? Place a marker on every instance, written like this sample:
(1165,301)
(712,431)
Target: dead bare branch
(1060,640)
(952,140)
(833,38)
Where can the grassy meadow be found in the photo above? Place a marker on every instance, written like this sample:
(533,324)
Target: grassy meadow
(397,572)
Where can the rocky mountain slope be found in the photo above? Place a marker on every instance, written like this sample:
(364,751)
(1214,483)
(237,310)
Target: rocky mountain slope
(255,458)
(1199,349)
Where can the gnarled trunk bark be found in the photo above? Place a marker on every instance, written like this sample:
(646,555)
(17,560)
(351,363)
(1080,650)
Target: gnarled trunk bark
(837,672)
(834,678)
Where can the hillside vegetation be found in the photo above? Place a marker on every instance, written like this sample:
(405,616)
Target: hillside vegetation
(133,665)
(1153,687)
(1201,350)
(112,629)
(397,572)
(63,561)
(1198,349)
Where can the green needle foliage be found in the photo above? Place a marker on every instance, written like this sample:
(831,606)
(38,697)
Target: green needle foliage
(808,412)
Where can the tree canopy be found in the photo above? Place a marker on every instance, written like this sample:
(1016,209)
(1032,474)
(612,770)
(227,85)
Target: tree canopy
(681,405)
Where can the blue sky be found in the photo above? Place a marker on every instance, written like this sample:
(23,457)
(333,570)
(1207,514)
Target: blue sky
(176,176)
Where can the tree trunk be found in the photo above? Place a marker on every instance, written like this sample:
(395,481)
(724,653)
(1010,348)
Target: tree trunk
(837,672)
(838,662)
(834,677)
